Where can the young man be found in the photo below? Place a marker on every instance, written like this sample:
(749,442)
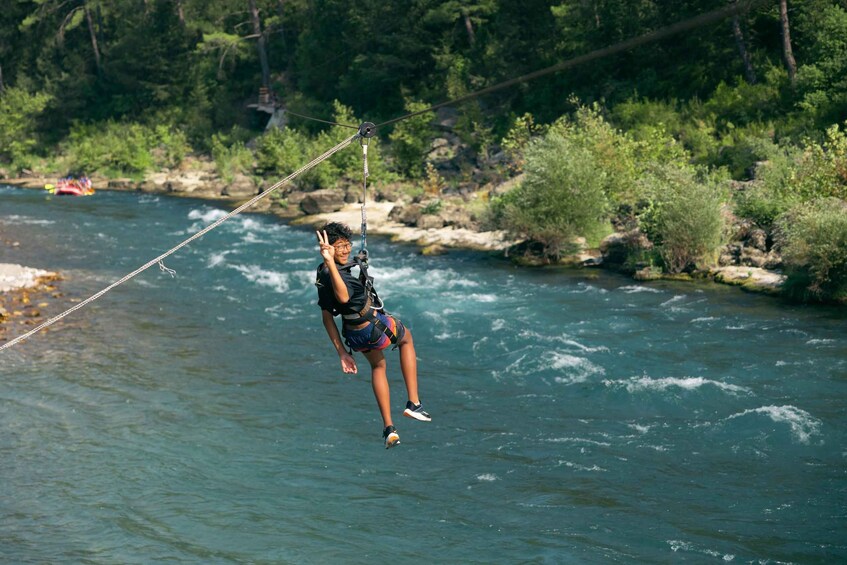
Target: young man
(365,328)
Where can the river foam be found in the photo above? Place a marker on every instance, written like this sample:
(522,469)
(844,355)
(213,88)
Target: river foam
(640,384)
(802,424)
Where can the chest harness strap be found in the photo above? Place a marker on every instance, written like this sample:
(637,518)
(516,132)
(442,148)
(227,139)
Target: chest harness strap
(373,302)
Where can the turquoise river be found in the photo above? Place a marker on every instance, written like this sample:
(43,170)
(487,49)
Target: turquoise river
(578,416)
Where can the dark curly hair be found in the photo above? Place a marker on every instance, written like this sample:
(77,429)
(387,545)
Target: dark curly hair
(336,231)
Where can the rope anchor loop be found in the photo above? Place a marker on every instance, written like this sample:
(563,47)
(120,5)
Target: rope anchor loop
(164,269)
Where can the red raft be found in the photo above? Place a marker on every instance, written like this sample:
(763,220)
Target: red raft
(74,187)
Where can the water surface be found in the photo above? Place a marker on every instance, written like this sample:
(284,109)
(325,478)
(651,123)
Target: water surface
(578,417)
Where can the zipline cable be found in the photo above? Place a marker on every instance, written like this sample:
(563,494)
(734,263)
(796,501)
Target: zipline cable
(320,120)
(657,35)
(176,248)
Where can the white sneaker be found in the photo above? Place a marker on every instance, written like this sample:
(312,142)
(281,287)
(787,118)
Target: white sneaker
(391,437)
(416,412)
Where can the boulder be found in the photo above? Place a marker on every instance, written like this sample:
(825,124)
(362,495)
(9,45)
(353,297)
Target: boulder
(458,217)
(322,201)
(648,274)
(730,255)
(447,118)
(773,260)
(750,278)
(177,185)
(505,186)
(288,206)
(618,247)
(121,184)
(240,187)
(433,249)
(430,221)
(352,196)
(752,257)
(407,215)
(441,150)
(758,239)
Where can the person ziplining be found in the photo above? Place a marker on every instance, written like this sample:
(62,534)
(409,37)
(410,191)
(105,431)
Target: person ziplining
(366,327)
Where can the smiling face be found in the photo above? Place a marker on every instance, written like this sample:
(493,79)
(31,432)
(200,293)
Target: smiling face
(342,250)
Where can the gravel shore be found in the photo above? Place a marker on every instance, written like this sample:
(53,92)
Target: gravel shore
(16,277)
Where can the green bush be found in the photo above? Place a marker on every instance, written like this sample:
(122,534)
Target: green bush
(772,193)
(580,170)
(822,170)
(743,103)
(564,194)
(471,126)
(116,148)
(283,151)
(171,146)
(688,124)
(411,140)
(517,138)
(792,176)
(18,112)
(109,148)
(740,149)
(813,240)
(685,221)
(231,156)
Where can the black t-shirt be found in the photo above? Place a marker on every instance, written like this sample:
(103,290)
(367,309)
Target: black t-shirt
(355,288)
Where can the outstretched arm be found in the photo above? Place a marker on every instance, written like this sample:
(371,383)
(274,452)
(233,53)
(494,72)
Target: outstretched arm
(348,364)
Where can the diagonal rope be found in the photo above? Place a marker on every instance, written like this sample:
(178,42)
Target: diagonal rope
(657,35)
(171,251)
(289,112)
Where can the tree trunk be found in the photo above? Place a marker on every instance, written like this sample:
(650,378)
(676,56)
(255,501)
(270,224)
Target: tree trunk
(749,71)
(263,54)
(469,27)
(93,34)
(2,86)
(787,53)
(180,12)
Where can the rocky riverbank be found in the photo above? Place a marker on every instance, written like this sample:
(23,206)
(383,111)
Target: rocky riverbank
(24,293)
(438,224)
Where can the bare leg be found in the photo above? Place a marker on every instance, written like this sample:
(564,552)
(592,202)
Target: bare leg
(379,382)
(409,366)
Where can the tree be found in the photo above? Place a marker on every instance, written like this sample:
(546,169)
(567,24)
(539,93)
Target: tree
(260,43)
(72,14)
(19,111)
(741,45)
(470,13)
(787,51)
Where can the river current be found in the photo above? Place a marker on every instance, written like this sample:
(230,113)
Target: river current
(578,416)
